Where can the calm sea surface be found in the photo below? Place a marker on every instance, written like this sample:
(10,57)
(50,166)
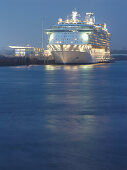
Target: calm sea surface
(63,117)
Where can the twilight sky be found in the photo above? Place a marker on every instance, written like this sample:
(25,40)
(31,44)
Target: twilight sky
(21,20)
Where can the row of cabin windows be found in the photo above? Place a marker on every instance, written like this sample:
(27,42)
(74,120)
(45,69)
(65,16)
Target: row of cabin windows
(65,39)
(68,42)
(65,36)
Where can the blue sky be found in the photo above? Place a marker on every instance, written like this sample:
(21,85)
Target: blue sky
(21,20)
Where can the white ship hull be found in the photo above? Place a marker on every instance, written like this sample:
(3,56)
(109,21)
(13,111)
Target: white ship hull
(77,57)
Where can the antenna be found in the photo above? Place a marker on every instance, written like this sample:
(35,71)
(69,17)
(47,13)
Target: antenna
(43,32)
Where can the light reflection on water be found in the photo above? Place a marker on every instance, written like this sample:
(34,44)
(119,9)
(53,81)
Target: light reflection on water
(73,125)
(76,67)
(63,117)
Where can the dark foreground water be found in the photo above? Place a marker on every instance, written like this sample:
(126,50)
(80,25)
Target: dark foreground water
(63,117)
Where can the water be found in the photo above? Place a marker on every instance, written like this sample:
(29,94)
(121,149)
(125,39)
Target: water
(63,117)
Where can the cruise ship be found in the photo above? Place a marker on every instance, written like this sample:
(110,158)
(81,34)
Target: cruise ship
(79,41)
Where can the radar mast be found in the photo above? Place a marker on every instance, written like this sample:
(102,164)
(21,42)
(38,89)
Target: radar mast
(75,15)
(90,18)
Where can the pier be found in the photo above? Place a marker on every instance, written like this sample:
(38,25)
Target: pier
(15,61)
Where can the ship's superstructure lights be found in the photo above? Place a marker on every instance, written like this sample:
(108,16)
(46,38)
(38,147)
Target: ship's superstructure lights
(51,37)
(67,21)
(105,27)
(75,15)
(85,37)
(60,20)
(90,19)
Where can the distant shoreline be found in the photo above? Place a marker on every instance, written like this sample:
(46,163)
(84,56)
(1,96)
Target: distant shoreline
(119,57)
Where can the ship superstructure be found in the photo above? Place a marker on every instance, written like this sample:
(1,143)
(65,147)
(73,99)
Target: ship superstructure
(79,41)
